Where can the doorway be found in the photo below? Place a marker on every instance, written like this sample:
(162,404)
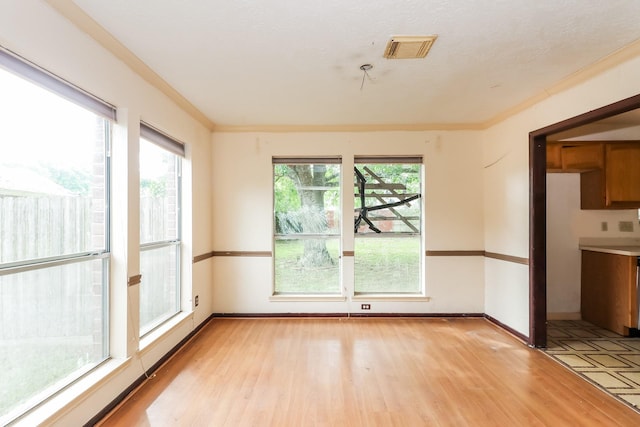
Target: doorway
(538,210)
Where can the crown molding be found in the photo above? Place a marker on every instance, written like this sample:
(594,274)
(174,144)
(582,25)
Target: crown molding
(614,59)
(411,127)
(84,22)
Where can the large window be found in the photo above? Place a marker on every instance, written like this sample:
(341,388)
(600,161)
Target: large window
(54,244)
(387,224)
(306,226)
(160,160)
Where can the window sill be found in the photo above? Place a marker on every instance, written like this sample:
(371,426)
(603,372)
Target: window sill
(52,409)
(391,297)
(174,322)
(73,396)
(310,298)
(358,297)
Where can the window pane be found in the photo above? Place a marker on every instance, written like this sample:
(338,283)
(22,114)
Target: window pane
(159,223)
(158,194)
(387,264)
(159,290)
(53,327)
(388,254)
(307,228)
(307,266)
(52,174)
(388,184)
(53,206)
(307,199)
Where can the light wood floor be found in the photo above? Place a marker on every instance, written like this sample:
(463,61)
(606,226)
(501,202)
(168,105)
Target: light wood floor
(365,372)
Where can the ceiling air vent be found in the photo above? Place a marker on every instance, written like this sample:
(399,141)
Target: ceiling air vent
(409,47)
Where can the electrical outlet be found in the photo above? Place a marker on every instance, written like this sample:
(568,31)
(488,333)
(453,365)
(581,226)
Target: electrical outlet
(604,226)
(625,226)
(196,300)
(365,306)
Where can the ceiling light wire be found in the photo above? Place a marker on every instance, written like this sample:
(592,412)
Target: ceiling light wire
(365,68)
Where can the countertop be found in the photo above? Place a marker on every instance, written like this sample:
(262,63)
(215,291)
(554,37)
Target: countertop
(621,246)
(616,250)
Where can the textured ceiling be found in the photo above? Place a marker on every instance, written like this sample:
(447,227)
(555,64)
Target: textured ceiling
(286,62)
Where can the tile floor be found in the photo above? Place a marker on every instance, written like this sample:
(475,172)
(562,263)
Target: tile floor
(604,358)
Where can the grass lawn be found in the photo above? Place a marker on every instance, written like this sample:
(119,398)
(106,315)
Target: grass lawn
(31,365)
(381,265)
(292,276)
(387,265)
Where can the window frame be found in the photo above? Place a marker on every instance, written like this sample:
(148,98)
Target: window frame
(172,146)
(421,291)
(32,73)
(337,236)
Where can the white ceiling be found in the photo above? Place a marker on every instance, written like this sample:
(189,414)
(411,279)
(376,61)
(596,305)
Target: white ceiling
(296,62)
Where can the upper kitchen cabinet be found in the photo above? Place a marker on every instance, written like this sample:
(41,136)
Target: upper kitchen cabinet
(617,184)
(574,157)
(554,157)
(623,174)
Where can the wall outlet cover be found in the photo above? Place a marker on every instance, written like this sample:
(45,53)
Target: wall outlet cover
(625,226)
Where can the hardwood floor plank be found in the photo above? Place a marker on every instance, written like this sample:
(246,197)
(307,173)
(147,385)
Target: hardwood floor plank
(365,372)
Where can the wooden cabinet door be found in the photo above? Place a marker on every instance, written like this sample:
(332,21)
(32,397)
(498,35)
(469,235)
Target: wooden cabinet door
(622,174)
(579,157)
(554,157)
(592,190)
(583,157)
(608,291)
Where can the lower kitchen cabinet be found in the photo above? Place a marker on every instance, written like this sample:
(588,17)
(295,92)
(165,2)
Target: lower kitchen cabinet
(609,295)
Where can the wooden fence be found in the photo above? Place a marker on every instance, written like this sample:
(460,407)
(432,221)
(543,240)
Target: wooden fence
(66,301)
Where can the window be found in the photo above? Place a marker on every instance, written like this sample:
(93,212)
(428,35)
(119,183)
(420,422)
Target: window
(306,226)
(387,224)
(54,244)
(160,161)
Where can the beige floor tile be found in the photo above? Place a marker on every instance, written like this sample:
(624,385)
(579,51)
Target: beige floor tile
(608,361)
(633,376)
(611,362)
(609,345)
(575,361)
(606,380)
(633,399)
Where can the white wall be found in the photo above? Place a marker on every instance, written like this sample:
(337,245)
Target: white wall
(476,194)
(566,224)
(242,177)
(563,255)
(506,184)
(35,31)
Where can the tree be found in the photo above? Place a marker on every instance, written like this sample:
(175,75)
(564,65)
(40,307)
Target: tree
(75,180)
(386,191)
(305,213)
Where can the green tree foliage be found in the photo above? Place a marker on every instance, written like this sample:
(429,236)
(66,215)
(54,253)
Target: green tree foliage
(300,193)
(75,180)
(287,198)
(153,188)
(387,184)
(397,173)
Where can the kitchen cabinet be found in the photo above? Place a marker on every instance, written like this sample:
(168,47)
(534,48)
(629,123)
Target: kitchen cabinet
(617,184)
(574,157)
(554,157)
(622,173)
(583,157)
(609,294)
